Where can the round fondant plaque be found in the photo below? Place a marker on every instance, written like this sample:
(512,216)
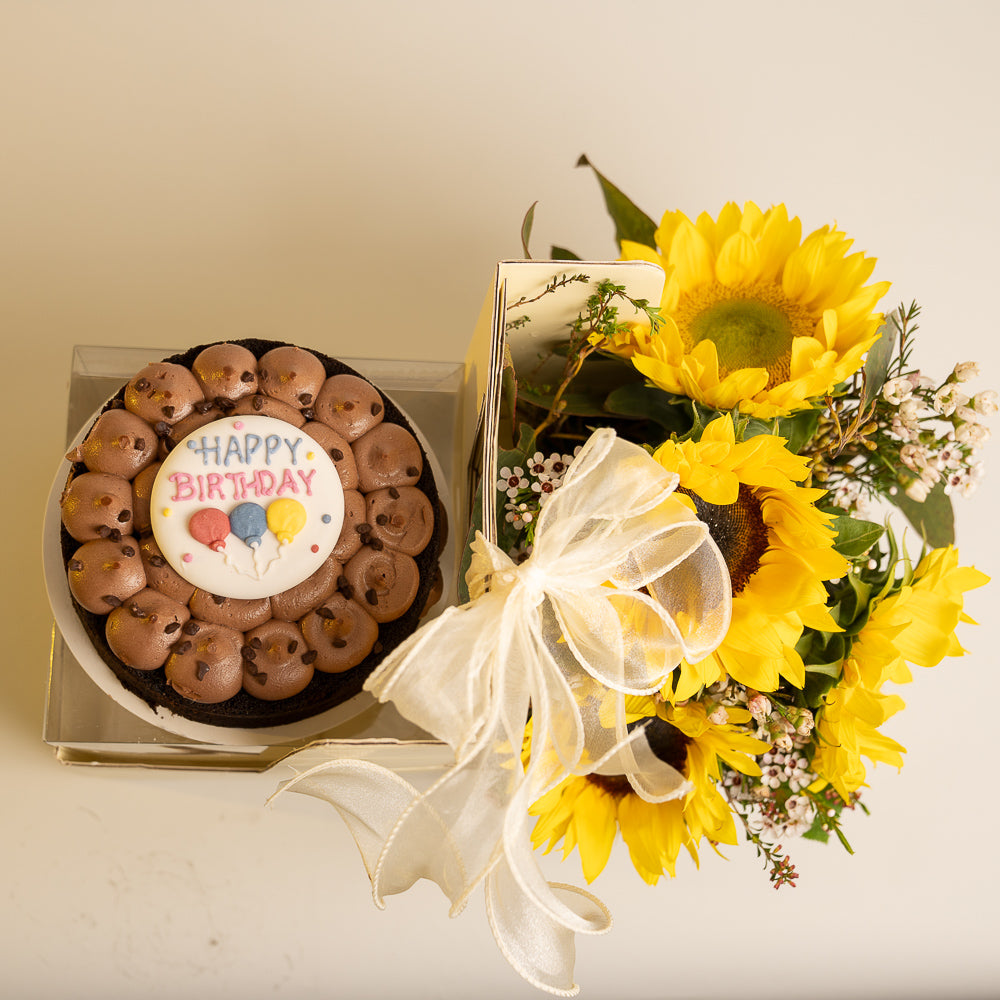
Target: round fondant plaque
(247,507)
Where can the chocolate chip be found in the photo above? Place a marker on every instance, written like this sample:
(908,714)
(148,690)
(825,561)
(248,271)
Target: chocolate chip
(260,677)
(105,501)
(377,648)
(255,643)
(140,443)
(251,668)
(204,406)
(309,413)
(348,406)
(116,536)
(336,454)
(153,618)
(135,611)
(293,645)
(75,565)
(309,656)
(248,654)
(382,519)
(375,543)
(104,531)
(167,411)
(412,470)
(258,403)
(325,613)
(226,405)
(191,628)
(182,647)
(363,528)
(393,492)
(158,561)
(116,404)
(115,602)
(125,515)
(127,550)
(305,398)
(172,627)
(371,596)
(376,409)
(339,643)
(162,428)
(142,384)
(201,669)
(246,377)
(218,600)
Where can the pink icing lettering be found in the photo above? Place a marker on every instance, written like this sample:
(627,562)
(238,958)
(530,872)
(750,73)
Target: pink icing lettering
(288,483)
(263,483)
(306,478)
(215,486)
(239,485)
(183,490)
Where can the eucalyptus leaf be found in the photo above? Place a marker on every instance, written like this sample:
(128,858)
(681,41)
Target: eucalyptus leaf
(561,253)
(589,403)
(854,536)
(529,218)
(879,358)
(631,222)
(934,519)
(648,403)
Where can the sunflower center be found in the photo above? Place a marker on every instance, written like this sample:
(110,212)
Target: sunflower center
(752,326)
(739,531)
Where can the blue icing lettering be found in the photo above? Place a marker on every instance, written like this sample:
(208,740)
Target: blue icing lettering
(271,444)
(233,449)
(292,447)
(204,449)
(253,443)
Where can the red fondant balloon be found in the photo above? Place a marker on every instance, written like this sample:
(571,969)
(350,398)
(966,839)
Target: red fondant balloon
(210,527)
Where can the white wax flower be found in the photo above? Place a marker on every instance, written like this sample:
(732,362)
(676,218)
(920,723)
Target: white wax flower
(966,370)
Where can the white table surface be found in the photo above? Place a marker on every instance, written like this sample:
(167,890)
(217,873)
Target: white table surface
(347,174)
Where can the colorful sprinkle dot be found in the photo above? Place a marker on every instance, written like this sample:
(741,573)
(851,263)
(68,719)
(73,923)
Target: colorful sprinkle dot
(238,424)
(187,557)
(326,519)
(167,512)
(314,548)
(310,455)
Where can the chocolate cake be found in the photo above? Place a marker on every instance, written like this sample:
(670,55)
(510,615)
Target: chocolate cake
(248,529)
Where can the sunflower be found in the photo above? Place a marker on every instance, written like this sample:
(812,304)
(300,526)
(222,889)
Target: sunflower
(915,624)
(755,316)
(777,545)
(587,812)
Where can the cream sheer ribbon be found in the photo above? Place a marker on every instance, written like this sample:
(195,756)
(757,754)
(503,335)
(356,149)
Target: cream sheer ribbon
(567,634)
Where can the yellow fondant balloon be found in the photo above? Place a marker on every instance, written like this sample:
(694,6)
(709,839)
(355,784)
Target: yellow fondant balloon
(286,518)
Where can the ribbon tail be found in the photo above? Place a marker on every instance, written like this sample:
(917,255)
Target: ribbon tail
(540,949)
(370,799)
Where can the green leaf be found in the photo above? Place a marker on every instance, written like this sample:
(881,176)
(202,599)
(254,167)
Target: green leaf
(830,669)
(879,358)
(648,403)
(934,519)
(578,403)
(529,218)
(854,536)
(631,222)
(797,430)
(561,253)
(816,832)
(817,687)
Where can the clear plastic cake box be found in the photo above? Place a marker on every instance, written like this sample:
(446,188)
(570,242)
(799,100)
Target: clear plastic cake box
(456,409)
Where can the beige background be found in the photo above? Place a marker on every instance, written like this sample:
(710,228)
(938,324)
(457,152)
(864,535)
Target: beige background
(345,176)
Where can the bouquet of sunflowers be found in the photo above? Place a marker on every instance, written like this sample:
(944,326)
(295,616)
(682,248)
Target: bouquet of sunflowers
(790,410)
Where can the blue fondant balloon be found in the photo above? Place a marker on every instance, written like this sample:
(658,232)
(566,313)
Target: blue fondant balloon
(249,522)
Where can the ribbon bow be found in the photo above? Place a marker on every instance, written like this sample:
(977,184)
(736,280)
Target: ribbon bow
(623,582)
